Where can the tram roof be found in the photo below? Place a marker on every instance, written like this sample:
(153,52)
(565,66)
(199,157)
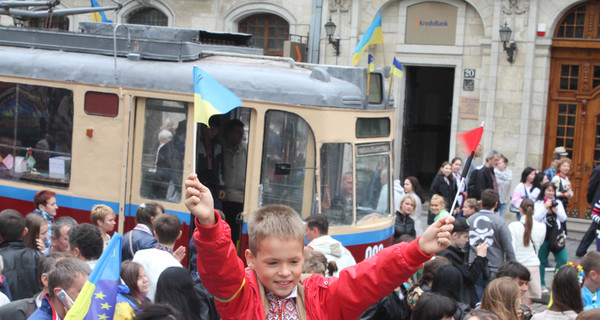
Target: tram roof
(161,64)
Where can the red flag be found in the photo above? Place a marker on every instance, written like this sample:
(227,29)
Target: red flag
(470,139)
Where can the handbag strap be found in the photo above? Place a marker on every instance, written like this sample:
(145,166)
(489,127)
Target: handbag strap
(526,194)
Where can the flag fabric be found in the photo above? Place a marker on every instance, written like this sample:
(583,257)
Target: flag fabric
(373,35)
(397,69)
(98,16)
(211,97)
(97,298)
(371,65)
(470,139)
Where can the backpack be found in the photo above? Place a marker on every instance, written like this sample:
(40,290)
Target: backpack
(555,235)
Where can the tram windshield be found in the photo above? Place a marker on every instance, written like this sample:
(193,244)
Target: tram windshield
(372,186)
(337,194)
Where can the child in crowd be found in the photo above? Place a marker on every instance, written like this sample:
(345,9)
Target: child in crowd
(501,296)
(271,287)
(103,217)
(316,262)
(591,283)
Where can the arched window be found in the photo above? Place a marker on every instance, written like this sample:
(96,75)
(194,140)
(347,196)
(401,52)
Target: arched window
(269,32)
(581,22)
(148,16)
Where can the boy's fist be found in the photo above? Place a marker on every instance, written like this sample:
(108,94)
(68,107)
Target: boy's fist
(199,201)
(437,237)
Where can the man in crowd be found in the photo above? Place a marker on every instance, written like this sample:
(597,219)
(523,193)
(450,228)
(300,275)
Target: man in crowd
(60,238)
(484,178)
(45,205)
(86,244)
(317,229)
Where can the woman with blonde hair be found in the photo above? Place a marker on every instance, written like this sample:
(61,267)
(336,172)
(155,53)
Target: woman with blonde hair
(502,297)
(404,223)
(103,217)
(437,209)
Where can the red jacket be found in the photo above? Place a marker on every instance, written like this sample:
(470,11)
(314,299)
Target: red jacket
(239,295)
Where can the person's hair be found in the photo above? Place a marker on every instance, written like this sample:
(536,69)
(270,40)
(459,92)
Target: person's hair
(566,291)
(214,121)
(88,239)
(481,315)
(429,269)
(64,273)
(47,263)
(526,172)
(556,156)
(61,222)
(489,198)
(408,197)
(34,223)
(130,272)
(527,209)
(456,159)
(176,288)
(42,197)
(416,186)
(545,186)
(278,221)
(156,311)
(320,222)
(472,203)
(12,225)
(165,134)
(167,227)
(562,161)
(314,262)
(445,163)
(433,306)
(591,261)
(99,213)
(501,297)
(440,200)
(446,280)
(492,154)
(591,314)
(146,211)
(513,269)
(232,124)
(505,159)
(537,181)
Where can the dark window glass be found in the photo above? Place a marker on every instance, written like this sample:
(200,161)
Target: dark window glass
(268,32)
(148,16)
(101,104)
(569,77)
(375,88)
(56,23)
(573,24)
(372,127)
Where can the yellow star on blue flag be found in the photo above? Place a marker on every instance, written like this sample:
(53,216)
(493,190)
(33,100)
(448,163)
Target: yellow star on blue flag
(105,306)
(100,295)
(102,317)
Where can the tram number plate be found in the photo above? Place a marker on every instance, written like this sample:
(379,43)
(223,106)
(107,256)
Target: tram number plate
(372,250)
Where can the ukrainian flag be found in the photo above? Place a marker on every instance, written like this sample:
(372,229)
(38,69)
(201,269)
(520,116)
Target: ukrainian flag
(373,35)
(397,69)
(98,16)
(97,299)
(211,97)
(371,66)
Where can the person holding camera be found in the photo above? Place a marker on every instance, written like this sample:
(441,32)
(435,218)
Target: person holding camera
(551,211)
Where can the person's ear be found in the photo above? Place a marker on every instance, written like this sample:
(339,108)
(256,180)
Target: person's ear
(75,252)
(249,259)
(56,290)
(25,230)
(179,236)
(155,235)
(44,279)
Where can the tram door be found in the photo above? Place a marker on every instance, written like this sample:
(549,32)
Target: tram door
(427,120)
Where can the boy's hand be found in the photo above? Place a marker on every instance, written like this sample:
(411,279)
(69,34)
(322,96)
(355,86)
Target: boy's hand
(199,201)
(179,254)
(437,237)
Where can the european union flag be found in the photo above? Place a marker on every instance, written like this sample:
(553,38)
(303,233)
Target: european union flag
(373,35)
(98,297)
(98,16)
(397,69)
(211,97)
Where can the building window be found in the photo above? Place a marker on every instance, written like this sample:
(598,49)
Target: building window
(52,22)
(565,126)
(573,24)
(148,16)
(569,76)
(268,30)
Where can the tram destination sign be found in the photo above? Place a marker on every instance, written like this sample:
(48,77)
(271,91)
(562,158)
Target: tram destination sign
(373,148)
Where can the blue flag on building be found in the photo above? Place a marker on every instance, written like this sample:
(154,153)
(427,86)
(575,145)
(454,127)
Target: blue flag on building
(211,97)
(98,16)
(97,299)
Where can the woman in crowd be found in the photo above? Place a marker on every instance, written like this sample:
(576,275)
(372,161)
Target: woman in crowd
(456,168)
(413,188)
(523,190)
(141,237)
(566,295)
(443,184)
(527,237)
(404,223)
(538,181)
(437,209)
(103,217)
(136,285)
(504,180)
(549,210)
(502,297)
(561,181)
(37,232)
(470,207)
(175,287)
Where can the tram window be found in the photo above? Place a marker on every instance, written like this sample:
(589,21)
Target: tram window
(372,176)
(375,88)
(36,128)
(372,127)
(288,140)
(101,104)
(337,195)
(163,150)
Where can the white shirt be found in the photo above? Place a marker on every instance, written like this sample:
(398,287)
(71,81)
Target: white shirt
(527,256)
(333,250)
(154,261)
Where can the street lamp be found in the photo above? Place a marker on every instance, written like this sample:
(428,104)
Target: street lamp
(505,34)
(330,30)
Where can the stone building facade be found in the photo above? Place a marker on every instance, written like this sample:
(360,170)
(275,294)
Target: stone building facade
(457,74)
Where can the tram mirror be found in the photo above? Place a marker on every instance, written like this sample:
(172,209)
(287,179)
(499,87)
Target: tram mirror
(283,168)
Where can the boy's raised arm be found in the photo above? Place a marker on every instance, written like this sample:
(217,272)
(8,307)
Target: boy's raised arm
(199,201)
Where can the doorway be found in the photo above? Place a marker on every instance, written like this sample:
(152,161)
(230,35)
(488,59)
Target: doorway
(427,119)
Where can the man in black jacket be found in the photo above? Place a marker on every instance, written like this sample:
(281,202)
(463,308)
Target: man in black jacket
(457,255)
(484,178)
(20,262)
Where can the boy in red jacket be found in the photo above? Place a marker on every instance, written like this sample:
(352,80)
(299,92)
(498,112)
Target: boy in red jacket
(272,287)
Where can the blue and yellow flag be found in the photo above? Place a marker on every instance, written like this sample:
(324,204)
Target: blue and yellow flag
(211,97)
(397,69)
(97,299)
(373,35)
(98,16)
(371,65)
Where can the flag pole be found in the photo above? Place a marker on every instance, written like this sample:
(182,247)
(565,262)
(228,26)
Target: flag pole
(390,88)
(465,171)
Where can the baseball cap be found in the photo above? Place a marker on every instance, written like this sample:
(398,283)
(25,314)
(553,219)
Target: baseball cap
(561,151)
(460,224)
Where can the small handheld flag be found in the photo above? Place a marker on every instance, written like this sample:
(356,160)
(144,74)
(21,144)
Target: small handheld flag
(371,66)
(97,298)
(211,97)
(98,16)
(373,35)
(397,69)
(470,140)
